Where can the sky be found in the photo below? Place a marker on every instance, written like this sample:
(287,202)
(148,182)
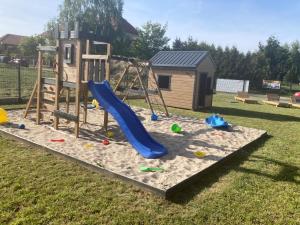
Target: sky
(239,23)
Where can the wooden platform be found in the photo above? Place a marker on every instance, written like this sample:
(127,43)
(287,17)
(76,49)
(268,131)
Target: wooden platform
(246,100)
(277,104)
(295,105)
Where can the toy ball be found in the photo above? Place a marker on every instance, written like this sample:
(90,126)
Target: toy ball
(105,142)
(3,116)
(154,117)
(110,134)
(175,128)
(21,126)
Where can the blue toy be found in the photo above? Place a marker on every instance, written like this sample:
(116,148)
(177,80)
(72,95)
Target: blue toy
(21,126)
(154,117)
(216,121)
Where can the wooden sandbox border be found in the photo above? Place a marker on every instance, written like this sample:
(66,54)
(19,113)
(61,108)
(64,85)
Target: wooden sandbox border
(166,194)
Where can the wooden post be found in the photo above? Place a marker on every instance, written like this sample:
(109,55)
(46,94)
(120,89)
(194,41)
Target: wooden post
(86,78)
(68,100)
(19,83)
(159,92)
(58,76)
(30,100)
(107,77)
(130,87)
(39,87)
(144,89)
(78,85)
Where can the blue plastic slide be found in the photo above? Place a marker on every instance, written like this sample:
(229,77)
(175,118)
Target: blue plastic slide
(130,124)
(216,121)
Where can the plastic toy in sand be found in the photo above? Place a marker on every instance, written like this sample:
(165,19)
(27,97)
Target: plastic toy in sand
(215,121)
(90,106)
(105,142)
(95,103)
(58,140)
(154,117)
(88,146)
(150,169)
(3,116)
(199,154)
(175,128)
(110,134)
(21,126)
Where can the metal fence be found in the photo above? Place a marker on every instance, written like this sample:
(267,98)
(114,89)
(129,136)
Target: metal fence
(17,82)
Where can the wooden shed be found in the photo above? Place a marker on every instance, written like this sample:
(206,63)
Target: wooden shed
(185,78)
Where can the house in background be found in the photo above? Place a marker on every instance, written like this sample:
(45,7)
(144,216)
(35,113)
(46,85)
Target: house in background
(185,78)
(9,43)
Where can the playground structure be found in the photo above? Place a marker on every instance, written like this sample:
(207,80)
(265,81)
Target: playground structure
(80,58)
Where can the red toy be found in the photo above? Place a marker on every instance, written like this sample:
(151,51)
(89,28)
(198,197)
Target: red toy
(105,142)
(57,140)
(297,94)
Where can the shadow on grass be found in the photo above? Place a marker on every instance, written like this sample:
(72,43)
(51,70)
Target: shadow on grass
(287,172)
(252,114)
(182,195)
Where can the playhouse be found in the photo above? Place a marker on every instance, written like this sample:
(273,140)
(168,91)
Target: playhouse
(185,78)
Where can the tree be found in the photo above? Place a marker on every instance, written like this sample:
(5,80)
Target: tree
(293,74)
(177,44)
(151,39)
(28,47)
(100,16)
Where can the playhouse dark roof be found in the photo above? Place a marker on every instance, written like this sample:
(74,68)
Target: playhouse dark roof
(181,59)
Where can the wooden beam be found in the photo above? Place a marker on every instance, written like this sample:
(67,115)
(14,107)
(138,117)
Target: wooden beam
(78,84)
(39,87)
(94,57)
(121,78)
(130,87)
(58,76)
(30,100)
(144,89)
(47,48)
(66,116)
(107,77)
(86,78)
(159,92)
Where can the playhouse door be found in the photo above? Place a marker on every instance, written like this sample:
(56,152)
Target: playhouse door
(202,89)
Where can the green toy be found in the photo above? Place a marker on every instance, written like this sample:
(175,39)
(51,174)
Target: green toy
(150,169)
(175,128)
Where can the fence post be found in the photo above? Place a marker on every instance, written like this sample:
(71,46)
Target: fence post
(19,83)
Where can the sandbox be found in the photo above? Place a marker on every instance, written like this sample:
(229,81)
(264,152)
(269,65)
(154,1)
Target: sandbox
(120,159)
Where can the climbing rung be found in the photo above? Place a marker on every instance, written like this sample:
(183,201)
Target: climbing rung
(48,87)
(49,97)
(66,116)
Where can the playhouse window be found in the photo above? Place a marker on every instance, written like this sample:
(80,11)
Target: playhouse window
(68,56)
(164,82)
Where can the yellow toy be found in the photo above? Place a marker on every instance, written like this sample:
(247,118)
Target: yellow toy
(3,116)
(200,154)
(110,134)
(95,103)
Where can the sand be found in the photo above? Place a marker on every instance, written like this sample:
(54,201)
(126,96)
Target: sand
(119,156)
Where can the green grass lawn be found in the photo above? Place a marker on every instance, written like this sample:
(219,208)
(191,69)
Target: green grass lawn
(261,185)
